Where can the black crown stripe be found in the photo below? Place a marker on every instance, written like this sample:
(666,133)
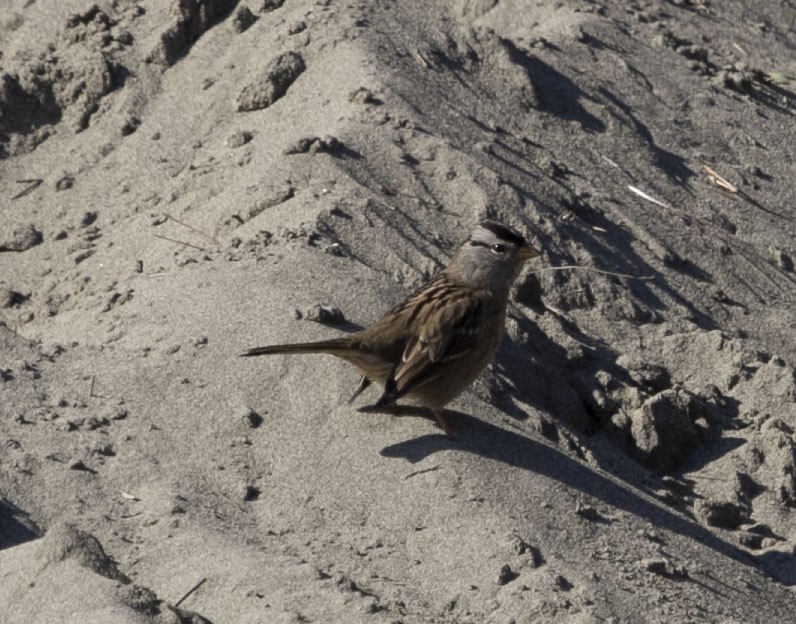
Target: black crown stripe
(503,232)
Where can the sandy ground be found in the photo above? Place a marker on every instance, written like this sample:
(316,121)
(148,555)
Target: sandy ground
(184,180)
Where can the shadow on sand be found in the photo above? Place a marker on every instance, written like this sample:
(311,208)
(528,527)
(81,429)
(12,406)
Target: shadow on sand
(515,449)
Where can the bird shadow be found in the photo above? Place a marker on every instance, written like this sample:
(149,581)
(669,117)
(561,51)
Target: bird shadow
(495,443)
(15,526)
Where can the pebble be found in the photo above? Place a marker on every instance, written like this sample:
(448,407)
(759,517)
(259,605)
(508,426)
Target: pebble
(21,239)
(325,315)
(506,575)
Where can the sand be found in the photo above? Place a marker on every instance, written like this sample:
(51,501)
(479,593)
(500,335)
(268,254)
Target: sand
(182,181)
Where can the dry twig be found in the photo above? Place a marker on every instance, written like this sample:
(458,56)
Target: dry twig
(591,270)
(179,242)
(190,591)
(721,182)
(32,185)
(649,198)
(212,239)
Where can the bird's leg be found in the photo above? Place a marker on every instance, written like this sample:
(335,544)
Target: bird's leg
(442,424)
(364,382)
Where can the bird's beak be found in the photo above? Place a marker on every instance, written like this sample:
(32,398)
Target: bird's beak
(526,252)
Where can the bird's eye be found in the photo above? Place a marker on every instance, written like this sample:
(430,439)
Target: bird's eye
(498,249)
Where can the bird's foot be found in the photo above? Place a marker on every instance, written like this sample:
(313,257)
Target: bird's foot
(410,410)
(442,424)
(364,382)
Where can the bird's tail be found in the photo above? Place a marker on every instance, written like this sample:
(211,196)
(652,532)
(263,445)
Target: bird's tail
(336,346)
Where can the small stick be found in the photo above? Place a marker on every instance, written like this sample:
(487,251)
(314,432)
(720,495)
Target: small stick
(616,165)
(32,185)
(420,59)
(190,591)
(649,198)
(178,170)
(212,239)
(721,182)
(390,206)
(419,472)
(91,389)
(707,478)
(582,268)
(179,242)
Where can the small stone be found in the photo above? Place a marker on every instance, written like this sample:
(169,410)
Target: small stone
(130,126)
(105,449)
(88,218)
(297,27)
(253,419)
(335,249)
(325,315)
(300,146)
(521,547)
(362,95)
(781,259)
(117,298)
(506,575)
(95,422)
(273,84)
(145,601)
(270,5)
(313,145)
(589,513)
(11,298)
(329,143)
(125,38)
(64,183)
(250,493)
(271,197)
(656,566)
(658,41)
(663,429)
(723,514)
(238,139)
(21,239)
(180,505)
(243,19)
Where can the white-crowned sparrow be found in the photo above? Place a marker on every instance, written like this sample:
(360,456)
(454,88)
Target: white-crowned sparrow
(432,346)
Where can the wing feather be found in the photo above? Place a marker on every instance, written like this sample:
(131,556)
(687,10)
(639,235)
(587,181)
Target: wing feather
(442,325)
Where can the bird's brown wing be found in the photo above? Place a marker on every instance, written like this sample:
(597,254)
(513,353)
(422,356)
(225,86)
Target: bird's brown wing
(451,318)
